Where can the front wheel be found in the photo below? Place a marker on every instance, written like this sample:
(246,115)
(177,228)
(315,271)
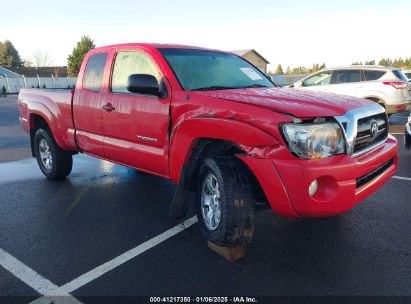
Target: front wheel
(54,162)
(224,202)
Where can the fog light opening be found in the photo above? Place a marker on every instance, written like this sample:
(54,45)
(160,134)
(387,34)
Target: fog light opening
(312,189)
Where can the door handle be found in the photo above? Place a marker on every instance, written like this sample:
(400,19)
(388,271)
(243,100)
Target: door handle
(108,107)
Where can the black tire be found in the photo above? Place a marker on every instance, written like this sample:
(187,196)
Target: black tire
(236,224)
(62,161)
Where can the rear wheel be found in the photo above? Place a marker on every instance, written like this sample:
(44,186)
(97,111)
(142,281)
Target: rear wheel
(224,202)
(54,162)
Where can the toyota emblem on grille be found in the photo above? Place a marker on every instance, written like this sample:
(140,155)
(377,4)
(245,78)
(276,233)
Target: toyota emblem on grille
(374,129)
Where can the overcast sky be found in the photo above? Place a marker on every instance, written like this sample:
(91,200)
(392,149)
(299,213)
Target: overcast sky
(288,32)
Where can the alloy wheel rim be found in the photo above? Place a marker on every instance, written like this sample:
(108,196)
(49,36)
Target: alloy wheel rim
(211,202)
(45,154)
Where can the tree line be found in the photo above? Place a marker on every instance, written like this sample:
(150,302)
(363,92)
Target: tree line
(300,70)
(403,63)
(10,57)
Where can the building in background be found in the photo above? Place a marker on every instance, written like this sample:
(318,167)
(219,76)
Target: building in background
(255,58)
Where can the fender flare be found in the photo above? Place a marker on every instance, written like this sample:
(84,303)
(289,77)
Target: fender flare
(189,131)
(41,110)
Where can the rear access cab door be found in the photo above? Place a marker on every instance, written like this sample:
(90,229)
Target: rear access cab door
(87,103)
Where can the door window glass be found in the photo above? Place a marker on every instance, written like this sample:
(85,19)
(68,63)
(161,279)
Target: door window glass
(93,75)
(346,76)
(321,78)
(128,63)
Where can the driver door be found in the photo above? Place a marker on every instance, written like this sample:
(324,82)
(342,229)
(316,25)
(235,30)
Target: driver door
(135,126)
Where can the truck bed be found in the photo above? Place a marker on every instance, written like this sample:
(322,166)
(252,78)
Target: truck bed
(56,105)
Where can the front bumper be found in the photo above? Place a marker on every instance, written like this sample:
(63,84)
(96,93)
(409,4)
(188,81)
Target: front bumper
(343,181)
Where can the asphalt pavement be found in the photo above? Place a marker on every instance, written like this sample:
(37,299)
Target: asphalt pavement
(14,142)
(104,231)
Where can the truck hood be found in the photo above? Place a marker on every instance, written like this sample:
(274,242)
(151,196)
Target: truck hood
(299,103)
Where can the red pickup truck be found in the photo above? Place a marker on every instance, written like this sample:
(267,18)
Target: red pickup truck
(219,128)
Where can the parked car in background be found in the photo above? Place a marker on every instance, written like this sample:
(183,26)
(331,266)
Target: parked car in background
(386,86)
(408,74)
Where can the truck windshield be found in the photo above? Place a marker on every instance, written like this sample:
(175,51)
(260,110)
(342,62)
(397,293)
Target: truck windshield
(198,70)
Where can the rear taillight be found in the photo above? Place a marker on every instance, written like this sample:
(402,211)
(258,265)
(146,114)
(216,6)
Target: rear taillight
(396,84)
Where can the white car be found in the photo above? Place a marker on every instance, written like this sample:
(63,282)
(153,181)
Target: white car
(408,74)
(387,86)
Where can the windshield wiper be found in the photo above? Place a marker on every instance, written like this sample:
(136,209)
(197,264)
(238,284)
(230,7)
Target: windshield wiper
(213,88)
(254,86)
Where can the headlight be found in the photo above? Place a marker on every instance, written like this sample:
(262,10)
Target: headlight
(314,140)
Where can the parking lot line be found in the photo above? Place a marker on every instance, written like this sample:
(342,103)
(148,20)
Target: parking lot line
(26,274)
(121,259)
(50,291)
(402,178)
(95,273)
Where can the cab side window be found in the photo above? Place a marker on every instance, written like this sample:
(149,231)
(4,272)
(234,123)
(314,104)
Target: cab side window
(321,78)
(128,63)
(93,75)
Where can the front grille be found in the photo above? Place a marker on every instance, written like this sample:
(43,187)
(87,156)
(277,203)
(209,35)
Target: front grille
(361,181)
(365,137)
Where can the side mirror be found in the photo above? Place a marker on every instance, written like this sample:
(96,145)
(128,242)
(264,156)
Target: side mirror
(143,84)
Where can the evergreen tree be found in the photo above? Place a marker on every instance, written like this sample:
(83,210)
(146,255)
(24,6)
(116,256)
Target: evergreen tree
(79,52)
(299,70)
(315,68)
(385,62)
(279,70)
(9,56)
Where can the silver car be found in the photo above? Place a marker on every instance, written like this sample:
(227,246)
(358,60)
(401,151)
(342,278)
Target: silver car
(387,86)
